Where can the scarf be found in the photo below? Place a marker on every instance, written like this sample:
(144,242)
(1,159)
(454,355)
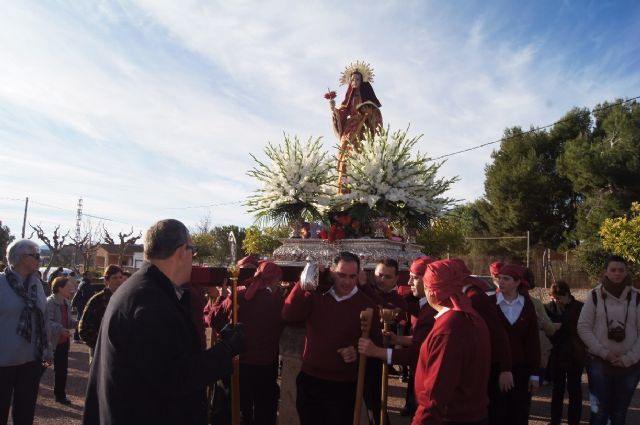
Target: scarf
(29,311)
(517,273)
(445,279)
(419,265)
(615,289)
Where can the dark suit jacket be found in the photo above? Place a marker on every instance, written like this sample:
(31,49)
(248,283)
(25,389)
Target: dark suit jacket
(149,366)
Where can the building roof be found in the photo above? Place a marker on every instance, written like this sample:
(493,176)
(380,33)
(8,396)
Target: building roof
(115,248)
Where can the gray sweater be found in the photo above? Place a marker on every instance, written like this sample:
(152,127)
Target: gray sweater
(14,349)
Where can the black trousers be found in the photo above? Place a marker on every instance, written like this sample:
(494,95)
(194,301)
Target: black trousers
(511,407)
(569,378)
(322,402)
(20,382)
(259,394)
(60,368)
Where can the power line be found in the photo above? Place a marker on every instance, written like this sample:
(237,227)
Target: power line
(205,206)
(532,130)
(68,210)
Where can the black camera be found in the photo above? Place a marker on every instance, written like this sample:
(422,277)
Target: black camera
(616,334)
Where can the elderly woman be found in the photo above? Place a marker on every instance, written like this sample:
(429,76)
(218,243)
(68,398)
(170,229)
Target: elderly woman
(60,322)
(23,338)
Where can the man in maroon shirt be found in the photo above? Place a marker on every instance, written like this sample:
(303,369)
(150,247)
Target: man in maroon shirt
(453,366)
(383,291)
(259,309)
(422,325)
(326,385)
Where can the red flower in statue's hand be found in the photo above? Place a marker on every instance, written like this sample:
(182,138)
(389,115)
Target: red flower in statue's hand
(344,220)
(336,233)
(330,95)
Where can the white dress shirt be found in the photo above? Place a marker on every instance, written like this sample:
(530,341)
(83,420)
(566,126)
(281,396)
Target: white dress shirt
(511,309)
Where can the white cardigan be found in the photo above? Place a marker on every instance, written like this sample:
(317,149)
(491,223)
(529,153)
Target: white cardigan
(592,325)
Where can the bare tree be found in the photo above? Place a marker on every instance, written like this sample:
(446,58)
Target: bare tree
(126,241)
(88,243)
(204,225)
(55,244)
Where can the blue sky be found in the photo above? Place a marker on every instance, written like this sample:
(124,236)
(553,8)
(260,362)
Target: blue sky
(149,109)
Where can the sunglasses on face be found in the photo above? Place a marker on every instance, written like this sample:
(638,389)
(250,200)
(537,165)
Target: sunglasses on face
(192,248)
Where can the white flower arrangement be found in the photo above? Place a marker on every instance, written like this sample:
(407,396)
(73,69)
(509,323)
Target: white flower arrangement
(383,175)
(296,184)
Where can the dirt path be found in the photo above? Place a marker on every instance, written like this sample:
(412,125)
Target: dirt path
(50,412)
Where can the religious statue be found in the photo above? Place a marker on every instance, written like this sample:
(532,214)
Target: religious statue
(358,112)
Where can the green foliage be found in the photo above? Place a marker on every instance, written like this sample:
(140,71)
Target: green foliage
(263,241)
(212,244)
(603,166)
(621,235)
(205,246)
(222,256)
(591,257)
(443,236)
(5,239)
(525,191)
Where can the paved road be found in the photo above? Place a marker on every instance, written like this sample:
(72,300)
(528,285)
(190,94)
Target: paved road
(50,412)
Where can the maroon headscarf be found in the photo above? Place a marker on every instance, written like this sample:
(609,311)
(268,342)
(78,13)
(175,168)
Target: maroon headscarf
(468,279)
(419,265)
(267,272)
(494,268)
(445,279)
(516,272)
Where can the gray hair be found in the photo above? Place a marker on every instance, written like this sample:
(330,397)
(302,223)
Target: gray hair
(18,248)
(163,238)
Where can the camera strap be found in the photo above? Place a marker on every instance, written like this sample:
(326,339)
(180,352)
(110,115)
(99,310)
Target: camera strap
(606,312)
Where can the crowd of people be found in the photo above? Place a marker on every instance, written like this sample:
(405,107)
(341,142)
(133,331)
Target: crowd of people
(476,354)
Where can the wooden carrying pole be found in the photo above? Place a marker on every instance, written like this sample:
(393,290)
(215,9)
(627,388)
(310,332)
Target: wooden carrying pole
(235,377)
(389,319)
(366,317)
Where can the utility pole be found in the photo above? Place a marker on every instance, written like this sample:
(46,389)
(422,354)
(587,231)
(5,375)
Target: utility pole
(24,219)
(527,249)
(78,236)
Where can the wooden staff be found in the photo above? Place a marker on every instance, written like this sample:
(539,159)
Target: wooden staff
(234,271)
(389,318)
(366,317)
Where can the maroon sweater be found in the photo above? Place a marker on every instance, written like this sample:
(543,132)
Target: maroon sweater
(389,299)
(262,324)
(453,371)
(500,345)
(330,325)
(523,337)
(421,328)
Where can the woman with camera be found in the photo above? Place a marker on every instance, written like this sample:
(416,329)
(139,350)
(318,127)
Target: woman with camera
(609,325)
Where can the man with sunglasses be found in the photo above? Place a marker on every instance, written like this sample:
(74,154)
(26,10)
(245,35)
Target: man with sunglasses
(24,348)
(149,366)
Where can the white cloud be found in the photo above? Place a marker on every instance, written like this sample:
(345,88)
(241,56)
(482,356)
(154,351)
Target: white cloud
(148,106)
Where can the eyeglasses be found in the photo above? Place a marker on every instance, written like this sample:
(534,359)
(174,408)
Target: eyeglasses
(35,255)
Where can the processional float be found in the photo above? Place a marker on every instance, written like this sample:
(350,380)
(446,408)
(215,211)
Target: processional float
(370,202)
